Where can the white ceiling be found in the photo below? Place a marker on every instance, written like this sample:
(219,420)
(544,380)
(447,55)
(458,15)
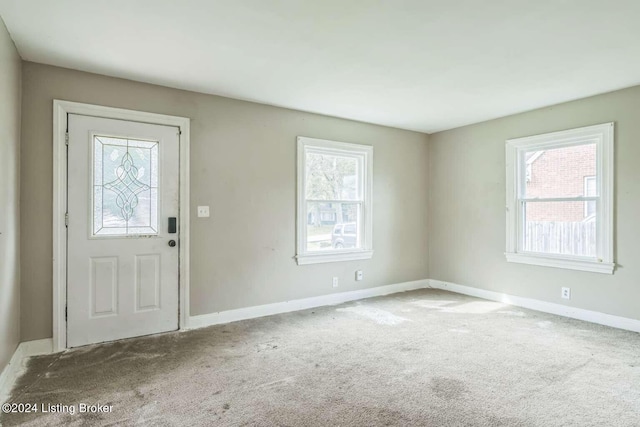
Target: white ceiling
(424,65)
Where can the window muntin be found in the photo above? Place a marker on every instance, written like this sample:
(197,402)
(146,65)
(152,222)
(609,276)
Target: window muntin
(125,187)
(559,199)
(334,201)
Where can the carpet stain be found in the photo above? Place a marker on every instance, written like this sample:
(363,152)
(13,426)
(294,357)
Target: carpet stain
(390,417)
(448,388)
(266,346)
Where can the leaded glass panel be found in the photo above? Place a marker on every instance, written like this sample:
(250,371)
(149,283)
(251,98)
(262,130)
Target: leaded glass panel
(125,186)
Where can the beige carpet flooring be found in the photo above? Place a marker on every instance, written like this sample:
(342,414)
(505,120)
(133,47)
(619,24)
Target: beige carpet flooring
(420,358)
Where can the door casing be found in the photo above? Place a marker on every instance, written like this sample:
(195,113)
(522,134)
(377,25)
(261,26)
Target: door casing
(60,111)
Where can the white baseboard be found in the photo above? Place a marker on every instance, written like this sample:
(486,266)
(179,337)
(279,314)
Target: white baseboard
(204,320)
(17,364)
(218,318)
(546,307)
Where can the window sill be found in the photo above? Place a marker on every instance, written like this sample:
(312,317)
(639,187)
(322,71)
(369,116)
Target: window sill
(559,262)
(333,257)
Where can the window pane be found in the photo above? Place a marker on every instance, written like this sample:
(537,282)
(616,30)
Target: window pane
(559,172)
(331,177)
(559,228)
(125,192)
(333,226)
(590,190)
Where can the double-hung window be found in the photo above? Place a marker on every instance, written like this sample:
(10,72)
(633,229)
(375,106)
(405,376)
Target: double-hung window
(334,215)
(560,199)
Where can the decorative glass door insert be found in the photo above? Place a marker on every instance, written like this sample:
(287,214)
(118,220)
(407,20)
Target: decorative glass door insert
(125,187)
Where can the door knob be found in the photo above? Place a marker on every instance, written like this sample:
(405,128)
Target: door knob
(172,243)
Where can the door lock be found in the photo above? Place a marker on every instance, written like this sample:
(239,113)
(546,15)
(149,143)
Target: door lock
(172,243)
(172,225)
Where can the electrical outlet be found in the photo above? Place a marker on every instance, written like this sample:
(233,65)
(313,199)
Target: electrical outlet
(335,282)
(203,211)
(566,293)
(359,275)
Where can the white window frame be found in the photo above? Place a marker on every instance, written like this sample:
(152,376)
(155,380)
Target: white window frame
(365,152)
(603,136)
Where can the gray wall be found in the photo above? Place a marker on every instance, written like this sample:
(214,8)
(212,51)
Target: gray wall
(243,164)
(10,74)
(467,207)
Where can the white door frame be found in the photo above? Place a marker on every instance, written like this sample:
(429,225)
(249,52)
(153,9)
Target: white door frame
(60,111)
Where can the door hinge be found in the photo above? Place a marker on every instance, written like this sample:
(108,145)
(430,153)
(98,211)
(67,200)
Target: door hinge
(66,138)
(66,219)
(66,312)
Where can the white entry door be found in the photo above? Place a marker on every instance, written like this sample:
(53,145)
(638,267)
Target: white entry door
(123,204)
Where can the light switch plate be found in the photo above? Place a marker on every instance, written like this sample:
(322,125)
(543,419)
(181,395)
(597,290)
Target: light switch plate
(203,211)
